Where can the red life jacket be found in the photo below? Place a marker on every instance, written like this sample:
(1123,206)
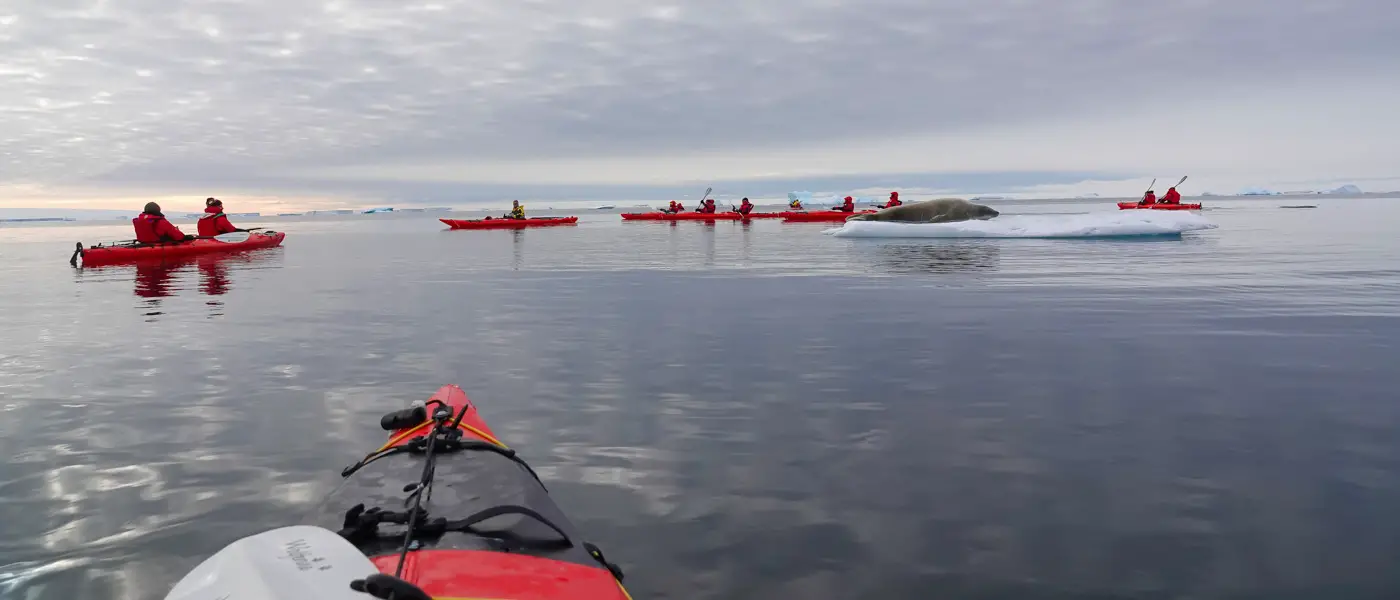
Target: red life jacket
(1172,197)
(154,229)
(745,208)
(1149,198)
(214,222)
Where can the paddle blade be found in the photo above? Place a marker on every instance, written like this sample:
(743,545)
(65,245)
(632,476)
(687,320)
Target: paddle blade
(290,563)
(1183,180)
(233,237)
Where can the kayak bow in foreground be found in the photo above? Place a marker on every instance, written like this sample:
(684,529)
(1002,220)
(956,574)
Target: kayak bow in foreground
(443,510)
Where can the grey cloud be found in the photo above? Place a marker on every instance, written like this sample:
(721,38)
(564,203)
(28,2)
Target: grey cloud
(173,89)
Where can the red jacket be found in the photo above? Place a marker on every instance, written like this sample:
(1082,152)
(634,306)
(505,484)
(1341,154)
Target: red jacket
(1172,197)
(745,208)
(214,222)
(1148,198)
(154,229)
(847,205)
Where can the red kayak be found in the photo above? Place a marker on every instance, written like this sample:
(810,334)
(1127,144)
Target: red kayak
(695,216)
(1134,205)
(133,252)
(442,510)
(819,215)
(685,216)
(490,223)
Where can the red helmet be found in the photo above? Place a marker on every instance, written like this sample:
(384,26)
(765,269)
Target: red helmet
(894,194)
(849,199)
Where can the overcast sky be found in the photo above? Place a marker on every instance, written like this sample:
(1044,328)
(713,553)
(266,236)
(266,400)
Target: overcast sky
(450,101)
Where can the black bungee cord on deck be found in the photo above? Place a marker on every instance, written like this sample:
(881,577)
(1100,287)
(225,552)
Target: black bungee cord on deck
(361,524)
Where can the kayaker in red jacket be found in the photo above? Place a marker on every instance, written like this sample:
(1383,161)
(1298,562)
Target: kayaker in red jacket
(744,207)
(1149,198)
(1171,197)
(673,208)
(152,227)
(214,221)
(707,207)
(894,201)
(847,205)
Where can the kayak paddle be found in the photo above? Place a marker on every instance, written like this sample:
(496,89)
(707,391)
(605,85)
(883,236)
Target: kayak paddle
(287,563)
(707,194)
(73,260)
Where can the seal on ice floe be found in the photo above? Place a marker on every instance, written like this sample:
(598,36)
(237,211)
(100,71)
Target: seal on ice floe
(942,210)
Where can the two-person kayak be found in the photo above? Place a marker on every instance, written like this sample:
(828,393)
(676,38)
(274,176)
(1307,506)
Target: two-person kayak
(490,223)
(695,216)
(132,252)
(443,510)
(1134,205)
(814,216)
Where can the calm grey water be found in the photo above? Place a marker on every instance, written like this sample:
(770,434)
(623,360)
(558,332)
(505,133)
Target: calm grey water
(738,411)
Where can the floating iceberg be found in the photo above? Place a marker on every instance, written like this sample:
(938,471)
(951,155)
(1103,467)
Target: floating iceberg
(40,219)
(1132,223)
